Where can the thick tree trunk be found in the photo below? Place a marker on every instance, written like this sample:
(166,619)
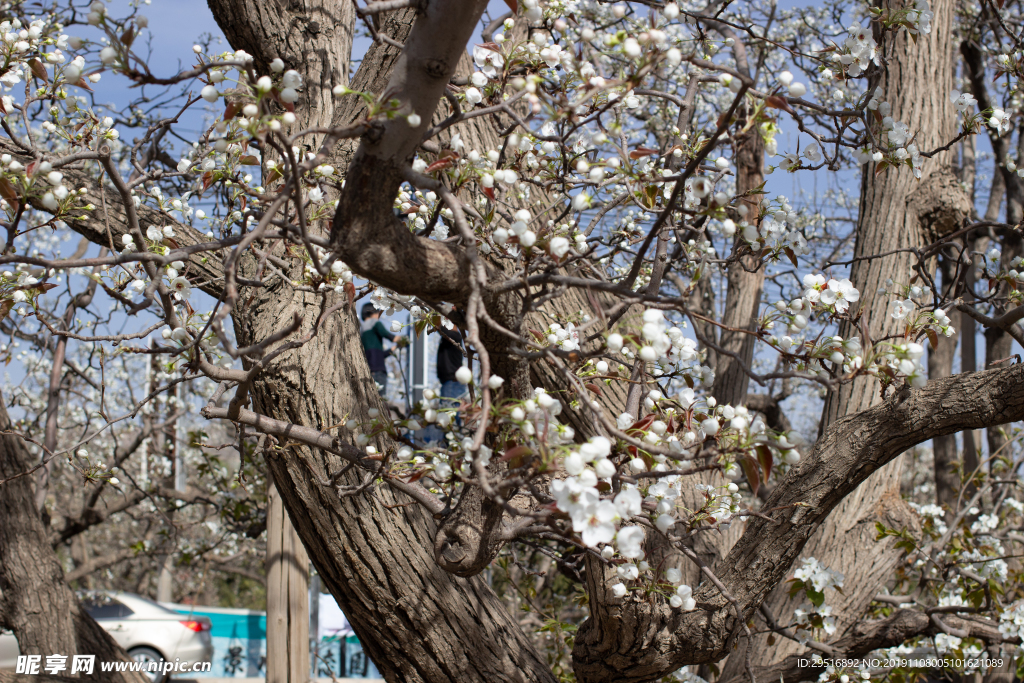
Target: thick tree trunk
(36,602)
(373,551)
(314,37)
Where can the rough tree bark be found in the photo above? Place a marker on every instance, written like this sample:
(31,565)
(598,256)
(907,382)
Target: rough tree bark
(314,38)
(36,603)
(373,553)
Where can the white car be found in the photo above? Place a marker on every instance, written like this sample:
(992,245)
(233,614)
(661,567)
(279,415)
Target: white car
(148,631)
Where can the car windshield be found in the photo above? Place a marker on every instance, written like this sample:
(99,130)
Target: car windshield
(104,607)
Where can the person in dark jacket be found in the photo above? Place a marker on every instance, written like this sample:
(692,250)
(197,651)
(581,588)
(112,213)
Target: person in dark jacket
(449,360)
(373,335)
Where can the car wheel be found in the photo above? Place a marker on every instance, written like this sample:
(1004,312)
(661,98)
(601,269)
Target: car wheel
(145,655)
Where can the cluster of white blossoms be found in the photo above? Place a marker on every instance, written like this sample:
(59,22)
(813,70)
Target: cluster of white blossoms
(1011,621)
(777,232)
(964,103)
(896,146)
(814,579)
(419,208)
(933,514)
(21,42)
(603,522)
(837,294)
(814,573)
(859,51)
(823,296)
(920,18)
(903,361)
(18,287)
(566,338)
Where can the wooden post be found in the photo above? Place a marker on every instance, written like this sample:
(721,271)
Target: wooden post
(287,597)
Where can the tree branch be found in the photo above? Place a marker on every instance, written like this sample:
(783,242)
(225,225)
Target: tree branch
(615,643)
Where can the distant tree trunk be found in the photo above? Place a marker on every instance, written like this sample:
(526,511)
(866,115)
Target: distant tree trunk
(997,342)
(287,597)
(916,85)
(940,364)
(745,281)
(968,329)
(37,604)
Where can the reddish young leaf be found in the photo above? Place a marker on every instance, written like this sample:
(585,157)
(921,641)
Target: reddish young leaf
(231,110)
(641,152)
(489,191)
(8,192)
(350,291)
(439,164)
(514,6)
(642,423)
(749,466)
(764,457)
(516,452)
(38,70)
(593,387)
(778,102)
